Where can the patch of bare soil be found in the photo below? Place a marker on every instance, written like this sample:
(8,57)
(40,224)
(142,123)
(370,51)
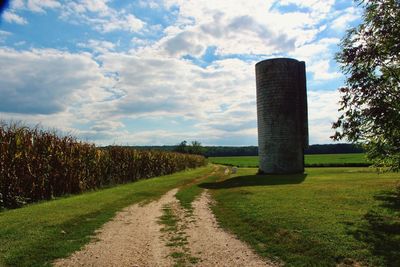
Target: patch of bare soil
(132,238)
(214,246)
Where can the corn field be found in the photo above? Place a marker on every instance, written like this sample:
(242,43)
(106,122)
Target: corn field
(37,165)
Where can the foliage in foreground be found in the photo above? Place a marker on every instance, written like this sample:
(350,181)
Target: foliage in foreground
(37,165)
(370,101)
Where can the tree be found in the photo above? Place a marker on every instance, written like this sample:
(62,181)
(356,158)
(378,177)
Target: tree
(370,101)
(196,148)
(181,147)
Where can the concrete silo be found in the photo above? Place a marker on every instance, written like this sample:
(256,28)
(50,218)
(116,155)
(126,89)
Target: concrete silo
(281,115)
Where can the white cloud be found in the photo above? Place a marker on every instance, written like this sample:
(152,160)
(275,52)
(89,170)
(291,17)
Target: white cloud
(107,126)
(62,121)
(316,50)
(98,45)
(149,4)
(230,27)
(170,88)
(344,18)
(225,25)
(322,112)
(4,35)
(99,15)
(219,99)
(183,44)
(16,4)
(126,22)
(321,71)
(37,6)
(99,6)
(11,17)
(58,81)
(139,43)
(41,5)
(319,58)
(236,35)
(20,43)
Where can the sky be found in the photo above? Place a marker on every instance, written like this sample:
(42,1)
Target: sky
(159,72)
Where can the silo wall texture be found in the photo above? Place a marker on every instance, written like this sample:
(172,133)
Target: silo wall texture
(281,115)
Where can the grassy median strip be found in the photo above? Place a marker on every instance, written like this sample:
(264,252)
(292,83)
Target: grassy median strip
(37,234)
(188,193)
(175,236)
(326,217)
(176,217)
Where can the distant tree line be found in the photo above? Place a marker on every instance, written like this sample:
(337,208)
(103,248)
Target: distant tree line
(226,151)
(195,147)
(334,149)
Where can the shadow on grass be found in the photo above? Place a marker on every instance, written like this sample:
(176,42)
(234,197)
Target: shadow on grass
(381,230)
(256,180)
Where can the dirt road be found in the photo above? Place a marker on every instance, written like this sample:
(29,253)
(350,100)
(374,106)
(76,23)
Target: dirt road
(135,237)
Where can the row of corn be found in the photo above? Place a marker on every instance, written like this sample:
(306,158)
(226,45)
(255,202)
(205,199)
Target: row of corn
(37,165)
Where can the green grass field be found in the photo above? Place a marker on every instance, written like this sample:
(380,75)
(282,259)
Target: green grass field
(326,217)
(37,234)
(320,160)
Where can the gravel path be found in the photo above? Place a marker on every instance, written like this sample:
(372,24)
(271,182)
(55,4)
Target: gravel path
(133,238)
(213,245)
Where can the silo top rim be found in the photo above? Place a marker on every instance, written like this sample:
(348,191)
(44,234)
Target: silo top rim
(283,59)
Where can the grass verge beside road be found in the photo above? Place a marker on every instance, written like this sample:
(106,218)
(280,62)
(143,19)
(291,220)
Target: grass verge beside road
(321,218)
(188,193)
(318,160)
(37,234)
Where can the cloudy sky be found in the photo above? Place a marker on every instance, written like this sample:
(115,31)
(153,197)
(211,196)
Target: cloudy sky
(162,71)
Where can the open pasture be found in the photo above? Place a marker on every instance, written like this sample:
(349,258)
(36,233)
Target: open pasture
(324,217)
(317,160)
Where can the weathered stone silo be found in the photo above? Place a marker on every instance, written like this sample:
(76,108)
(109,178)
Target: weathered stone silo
(281,115)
